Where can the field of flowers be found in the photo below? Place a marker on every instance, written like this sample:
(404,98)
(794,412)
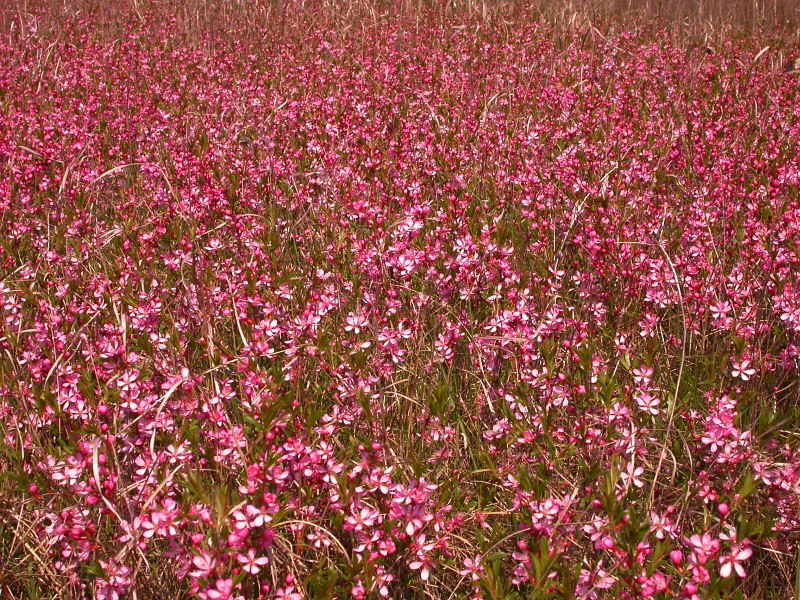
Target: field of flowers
(343,301)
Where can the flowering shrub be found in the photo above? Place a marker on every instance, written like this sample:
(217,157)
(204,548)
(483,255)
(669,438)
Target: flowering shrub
(416,306)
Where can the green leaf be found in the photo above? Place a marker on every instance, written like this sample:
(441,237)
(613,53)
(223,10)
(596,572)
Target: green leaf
(748,485)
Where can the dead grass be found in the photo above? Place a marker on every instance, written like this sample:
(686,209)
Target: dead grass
(693,20)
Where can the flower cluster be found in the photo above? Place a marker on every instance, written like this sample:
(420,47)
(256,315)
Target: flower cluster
(428,306)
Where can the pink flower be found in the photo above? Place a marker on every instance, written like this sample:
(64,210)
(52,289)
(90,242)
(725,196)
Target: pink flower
(642,376)
(648,403)
(703,548)
(472,568)
(732,562)
(222,590)
(743,369)
(288,593)
(423,565)
(204,564)
(252,564)
(366,517)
